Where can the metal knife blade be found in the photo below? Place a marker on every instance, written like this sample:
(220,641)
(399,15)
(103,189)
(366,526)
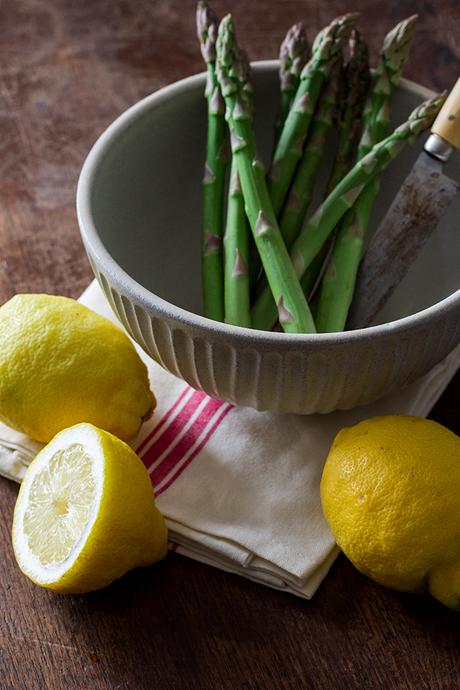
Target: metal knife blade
(413,216)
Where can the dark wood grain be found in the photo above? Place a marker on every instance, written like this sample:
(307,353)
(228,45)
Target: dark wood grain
(67,69)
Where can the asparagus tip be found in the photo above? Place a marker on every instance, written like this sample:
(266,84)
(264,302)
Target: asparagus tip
(206,28)
(293,56)
(396,43)
(424,114)
(342,27)
(233,73)
(294,34)
(346,21)
(335,33)
(225,42)
(411,20)
(295,41)
(227,20)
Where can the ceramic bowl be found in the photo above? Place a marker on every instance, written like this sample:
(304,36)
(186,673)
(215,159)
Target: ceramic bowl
(139,207)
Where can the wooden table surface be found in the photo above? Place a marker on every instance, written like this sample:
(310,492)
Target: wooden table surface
(67,69)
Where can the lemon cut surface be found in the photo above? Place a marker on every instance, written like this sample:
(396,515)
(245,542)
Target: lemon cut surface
(85,513)
(62,497)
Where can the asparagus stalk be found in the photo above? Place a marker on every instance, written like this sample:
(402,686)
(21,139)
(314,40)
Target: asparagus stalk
(317,229)
(393,56)
(212,276)
(301,191)
(236,256)
(313,274)
(236,240)
(293,58)
(293,311)
(354,83)
(326,48)
(339,279)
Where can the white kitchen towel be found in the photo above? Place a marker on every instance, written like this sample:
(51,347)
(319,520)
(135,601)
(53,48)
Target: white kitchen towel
(240,488)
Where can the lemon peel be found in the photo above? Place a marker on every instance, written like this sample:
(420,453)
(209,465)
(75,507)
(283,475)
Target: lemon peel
(390,493)
(61,363)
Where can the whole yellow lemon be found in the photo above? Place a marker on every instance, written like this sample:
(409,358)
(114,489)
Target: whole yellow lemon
(61,363)
(390,492)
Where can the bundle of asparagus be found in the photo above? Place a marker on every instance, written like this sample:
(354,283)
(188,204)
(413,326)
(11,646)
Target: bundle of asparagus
(332,90)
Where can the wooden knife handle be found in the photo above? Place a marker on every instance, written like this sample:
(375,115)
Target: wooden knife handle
(447,124)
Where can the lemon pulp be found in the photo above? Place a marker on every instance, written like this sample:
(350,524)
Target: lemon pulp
(61,497)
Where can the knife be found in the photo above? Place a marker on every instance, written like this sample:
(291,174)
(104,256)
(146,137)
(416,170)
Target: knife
(411,219)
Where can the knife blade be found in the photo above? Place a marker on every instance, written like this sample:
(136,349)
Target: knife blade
(421,202)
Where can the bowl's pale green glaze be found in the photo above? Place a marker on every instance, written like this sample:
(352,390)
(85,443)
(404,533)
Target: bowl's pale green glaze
(139,199)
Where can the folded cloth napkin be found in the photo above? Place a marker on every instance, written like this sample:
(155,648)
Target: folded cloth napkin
(240,488)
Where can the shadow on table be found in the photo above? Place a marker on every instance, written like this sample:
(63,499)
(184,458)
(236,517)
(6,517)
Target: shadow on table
(181,624)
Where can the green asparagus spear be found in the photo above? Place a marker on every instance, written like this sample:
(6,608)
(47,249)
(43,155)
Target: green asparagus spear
(387,74)
(294,52)
(327,46)
(354,83)
(294,314)
(214,176)
(301,191)
(317,229)
(236,240)
(293,57)
(236,256)
(313,273)
(339,279)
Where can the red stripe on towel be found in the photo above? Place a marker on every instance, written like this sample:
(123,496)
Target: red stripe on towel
(190,437)
(162,421)
(225,410)
(172,429)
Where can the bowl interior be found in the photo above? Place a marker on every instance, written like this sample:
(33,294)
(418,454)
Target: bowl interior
(146,198)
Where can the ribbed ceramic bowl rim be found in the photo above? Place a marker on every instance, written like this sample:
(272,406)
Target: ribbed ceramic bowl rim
(147,298)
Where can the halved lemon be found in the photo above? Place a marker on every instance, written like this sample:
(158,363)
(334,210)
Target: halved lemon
(86,513)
